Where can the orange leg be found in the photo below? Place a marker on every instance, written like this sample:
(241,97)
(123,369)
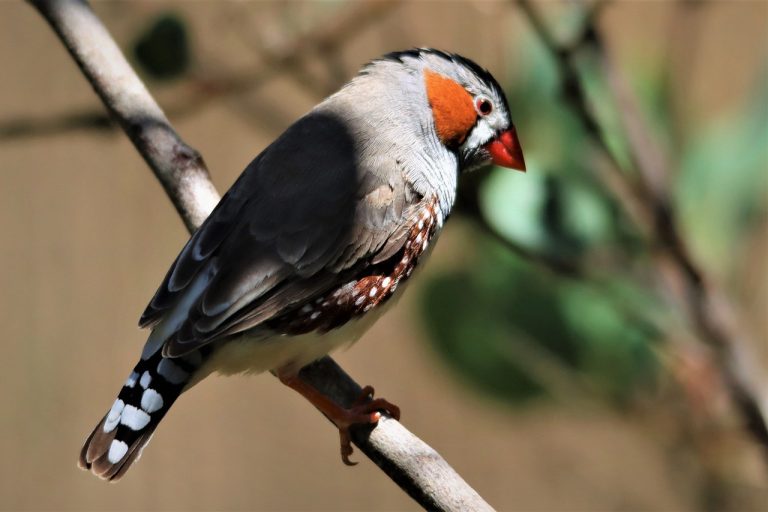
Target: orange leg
(364,411)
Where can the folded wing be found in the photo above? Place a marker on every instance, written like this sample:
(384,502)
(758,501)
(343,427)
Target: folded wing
(302,212)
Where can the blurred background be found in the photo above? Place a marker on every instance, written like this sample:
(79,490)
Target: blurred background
(551,351)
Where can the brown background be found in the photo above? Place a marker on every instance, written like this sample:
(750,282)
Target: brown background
(87,234)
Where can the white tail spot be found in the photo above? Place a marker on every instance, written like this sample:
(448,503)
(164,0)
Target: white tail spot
(132,379)
(113,416)
(146,379)
(134,418)
(117,451)
(151,401)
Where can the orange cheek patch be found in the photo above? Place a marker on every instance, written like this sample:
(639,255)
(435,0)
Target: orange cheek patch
(452,108)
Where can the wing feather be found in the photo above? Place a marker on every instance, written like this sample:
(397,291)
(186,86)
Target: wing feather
(303,212)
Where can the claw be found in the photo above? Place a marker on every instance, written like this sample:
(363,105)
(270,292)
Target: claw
(365,394)
(365,410)
(346,447)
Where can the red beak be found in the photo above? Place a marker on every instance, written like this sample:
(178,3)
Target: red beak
(505,150)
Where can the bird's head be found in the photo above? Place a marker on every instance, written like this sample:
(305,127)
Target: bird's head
(469,111)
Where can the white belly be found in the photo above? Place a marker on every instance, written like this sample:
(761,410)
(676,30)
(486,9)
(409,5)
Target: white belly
(248,354)
(288,353)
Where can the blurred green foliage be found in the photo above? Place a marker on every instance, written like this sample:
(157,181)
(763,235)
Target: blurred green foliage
(162,49)
(722,186)
(519,332)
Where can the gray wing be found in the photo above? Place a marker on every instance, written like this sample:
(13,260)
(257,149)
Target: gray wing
(303,212)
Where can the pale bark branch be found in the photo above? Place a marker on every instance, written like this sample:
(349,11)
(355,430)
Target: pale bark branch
(418,469)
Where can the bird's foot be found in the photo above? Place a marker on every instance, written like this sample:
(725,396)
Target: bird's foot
(365,410)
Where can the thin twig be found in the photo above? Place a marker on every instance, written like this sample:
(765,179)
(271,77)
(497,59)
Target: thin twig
(710,314)
(412,464)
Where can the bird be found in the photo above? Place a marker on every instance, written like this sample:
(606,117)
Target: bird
(312,241)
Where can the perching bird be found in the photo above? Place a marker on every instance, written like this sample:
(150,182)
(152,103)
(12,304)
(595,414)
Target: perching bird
(315,236)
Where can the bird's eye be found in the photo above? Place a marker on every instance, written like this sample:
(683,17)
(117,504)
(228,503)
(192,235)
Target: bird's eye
(484,106)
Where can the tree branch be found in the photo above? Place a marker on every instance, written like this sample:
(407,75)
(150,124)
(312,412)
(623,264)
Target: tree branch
(644,196)
(412,464)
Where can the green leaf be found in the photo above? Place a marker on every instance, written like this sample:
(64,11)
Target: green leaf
(547,214)
(474,346)
(518,333)
(162,50)
(511,203)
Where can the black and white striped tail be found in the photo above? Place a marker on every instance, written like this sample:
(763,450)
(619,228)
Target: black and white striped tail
(149,392)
